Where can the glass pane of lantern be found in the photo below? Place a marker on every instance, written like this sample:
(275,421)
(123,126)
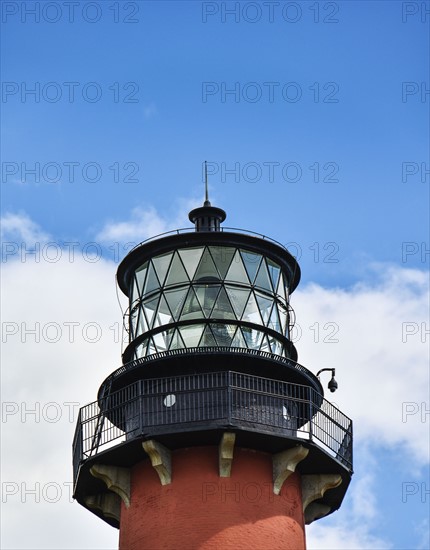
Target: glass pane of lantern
(281,291)
(238,339)
(265,304)
(161,264)
(192,308)
(151,347)
(149,307)
(207,340)
(252,262)
(223,333)
(275,322)
(252,337)
(190,258)
(207,269)
(141,350)
(252,311)
(236,271)
(265,346)
(135,292)
(175,299)
(192,335)
(223,308)
(151,282)
(160,341)
(238,299)
(176,341)
(207,295)
(283,317)
(222,256)
(142,325)
(274,271)
(167,335)
(262,279)
(163,316)
(177,273)
(141,275)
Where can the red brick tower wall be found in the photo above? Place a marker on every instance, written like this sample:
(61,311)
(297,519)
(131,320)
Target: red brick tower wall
(200,510)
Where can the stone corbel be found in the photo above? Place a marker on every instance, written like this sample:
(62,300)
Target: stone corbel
(225,454)
(161,460)
(116,480)
(109,504)
(313,488)
(284,464)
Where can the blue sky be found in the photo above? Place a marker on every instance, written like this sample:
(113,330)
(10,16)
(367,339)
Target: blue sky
(328,132)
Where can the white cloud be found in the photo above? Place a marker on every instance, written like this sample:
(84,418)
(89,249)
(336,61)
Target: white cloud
(19,227)
(145,223)
(367,334)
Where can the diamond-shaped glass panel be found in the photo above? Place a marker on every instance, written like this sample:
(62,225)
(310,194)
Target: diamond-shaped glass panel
(206,269)
(150,307)
(223,333)
(237,271)
(274,271)
(161,264)
(151,282)
(142,324)
(192,308)
(222,256)
(276,346)
(190,258)
(238,299)
(265,304)
(141,275)
(141,350)
(175,299)
(252,263)
(223,308)
(283,316)
(262,280)
(207,295)
(275,322)
(177,273)
(135,292)
(265,346)
(207,339)
(192,334)
(176,341)
(252,337)
(238,339)
(281,291)
(151,347)
(252,311)
(160,341)
(163,316)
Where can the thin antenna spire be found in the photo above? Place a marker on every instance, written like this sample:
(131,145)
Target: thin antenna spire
(207,203)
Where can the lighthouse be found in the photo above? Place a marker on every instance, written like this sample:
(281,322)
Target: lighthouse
(211,435)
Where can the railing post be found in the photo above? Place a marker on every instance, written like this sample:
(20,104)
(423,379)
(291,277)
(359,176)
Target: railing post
(140,389)
(229,397)
(311,413)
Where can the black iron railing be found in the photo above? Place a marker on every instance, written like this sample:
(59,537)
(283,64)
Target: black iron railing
(212,399)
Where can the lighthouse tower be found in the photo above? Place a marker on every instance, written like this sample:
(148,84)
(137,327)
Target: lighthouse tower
(211,435)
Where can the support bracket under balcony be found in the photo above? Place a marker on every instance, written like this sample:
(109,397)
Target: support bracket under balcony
(161,460)
(225,455)
(284,464)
